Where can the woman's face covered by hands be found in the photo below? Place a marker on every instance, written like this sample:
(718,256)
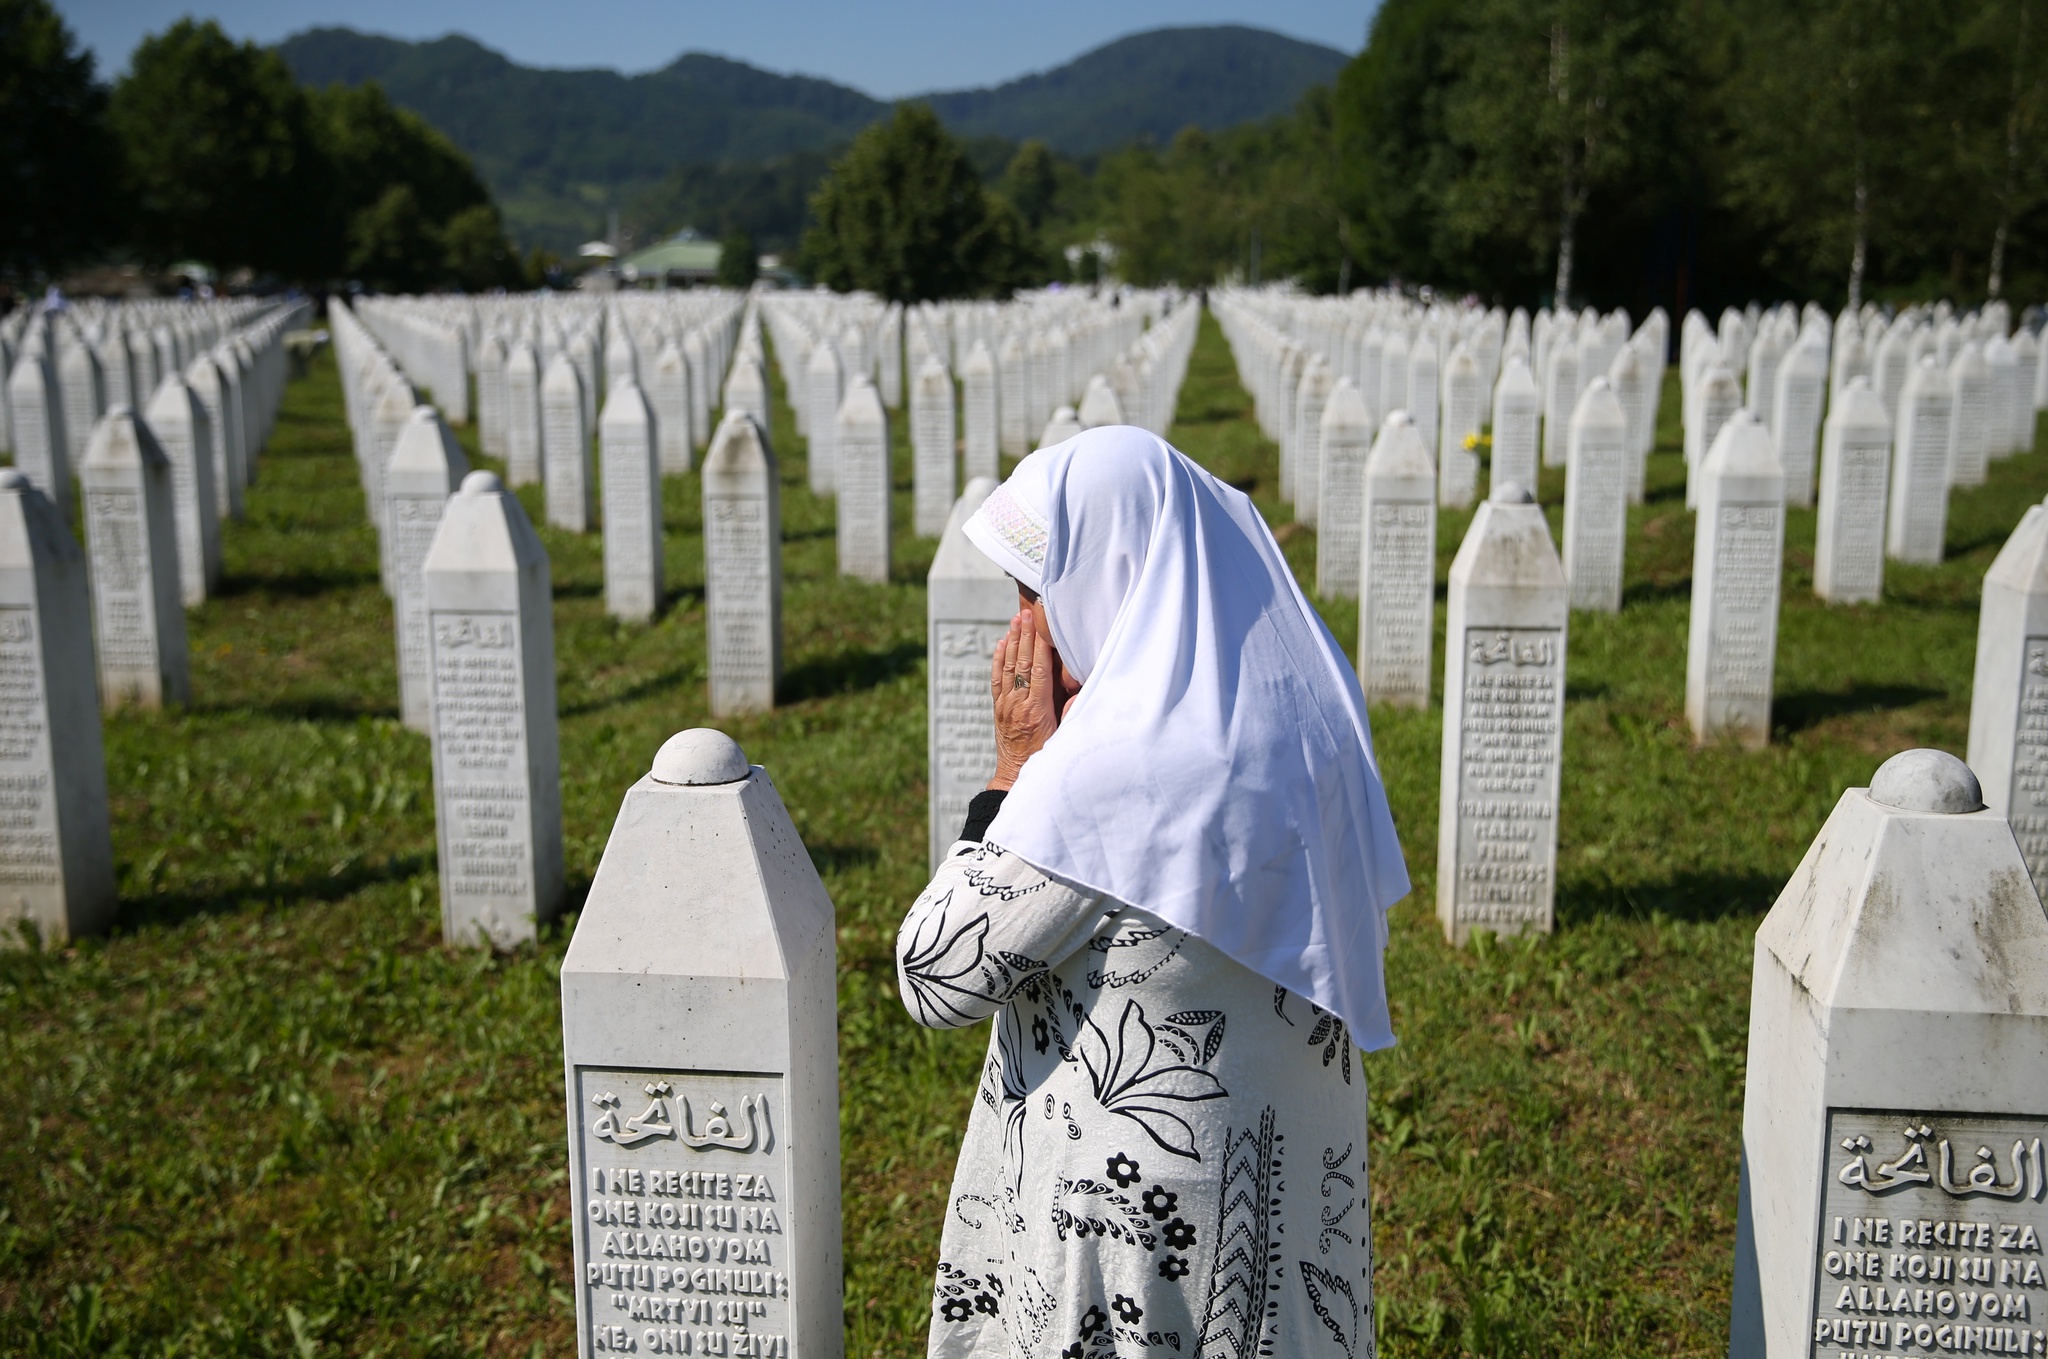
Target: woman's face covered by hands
(1032,690)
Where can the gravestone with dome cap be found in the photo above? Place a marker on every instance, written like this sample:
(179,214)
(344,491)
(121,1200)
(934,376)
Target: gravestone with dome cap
(1855,474)
(627,437)
(497,766)
(1894,1186)
(742,568)
(1504,671)
(1596,499)
(1737,572)
(426,467)
(1517,413)
(1397,567)
(700,1053)
(978,411)
(863,484)
(932,447)
(131,537)
(565,447)
(1343,444)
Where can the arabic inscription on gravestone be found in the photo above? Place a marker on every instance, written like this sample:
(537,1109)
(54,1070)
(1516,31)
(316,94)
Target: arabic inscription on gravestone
(685,1229)
(1932,1227)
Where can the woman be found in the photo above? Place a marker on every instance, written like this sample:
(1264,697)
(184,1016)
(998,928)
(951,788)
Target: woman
(1171,900)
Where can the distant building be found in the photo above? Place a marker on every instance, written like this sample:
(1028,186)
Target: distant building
(682,260)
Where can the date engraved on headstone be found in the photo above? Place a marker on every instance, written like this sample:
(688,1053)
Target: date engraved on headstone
(1931,1235)
(966,734)
(685,1222)
(1507,779)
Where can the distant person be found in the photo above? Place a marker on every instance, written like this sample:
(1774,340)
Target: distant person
(1171,898)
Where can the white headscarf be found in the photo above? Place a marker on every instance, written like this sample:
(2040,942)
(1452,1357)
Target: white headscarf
(1217,768)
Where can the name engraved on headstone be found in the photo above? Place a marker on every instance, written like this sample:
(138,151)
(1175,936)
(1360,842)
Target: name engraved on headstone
(478,713)
(114,537)
(1931,1235)
(741,611)
(685,1231)
(1402,544)
(1745,603)
(28,814)
(966,735)
(1508,775)
(2027,810)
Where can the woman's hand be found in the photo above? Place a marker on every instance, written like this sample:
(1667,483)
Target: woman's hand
(1026,712)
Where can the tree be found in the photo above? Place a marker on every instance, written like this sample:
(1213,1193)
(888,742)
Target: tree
(738,265)
(1560,99)
(903,215)
(56,155)
(220,153)
(1030,181)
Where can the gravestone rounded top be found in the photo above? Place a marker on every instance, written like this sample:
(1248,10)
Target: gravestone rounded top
(1598,384)
(1926,781)
(1399,420)
(1512,493)
(482,483)
(1859,383)
(699,756)
(13,479)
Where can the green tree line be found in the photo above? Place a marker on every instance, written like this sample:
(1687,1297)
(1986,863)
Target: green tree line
(208,150)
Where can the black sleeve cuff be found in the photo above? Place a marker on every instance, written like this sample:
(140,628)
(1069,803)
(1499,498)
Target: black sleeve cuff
(981,811)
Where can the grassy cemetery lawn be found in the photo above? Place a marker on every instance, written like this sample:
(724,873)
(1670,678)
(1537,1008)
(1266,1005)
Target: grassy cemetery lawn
(271,1115)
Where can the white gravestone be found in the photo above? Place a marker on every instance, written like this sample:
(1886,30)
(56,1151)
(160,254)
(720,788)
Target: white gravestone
(863,484)
(179,423)
(1894,1191)
(393,409)
(2009,702)
(746,387)
(1013,416)
(37,413)
(1716,402)
(1517,412)
(1973,416)
(1310,400)
(703,386)
(1560,397)
(1099,404)
(823,388)
(565,448)
(627,436)
(426,467)
(700,1046)
(1064,425)
(1917,507)
(204,376)
(1423,379)
(1737,570)
(1464,409)
(1346,441)
(1596,499)
(1795,420)
(131,539)
(1397,567)
(671,398)
(742,567)
(1855,470)
(1503,746)
(969,602)
(931,447)
(490,396)
(978,411)
(497,766)
(1629,375)
(83,383)
(56,857)
(522,416)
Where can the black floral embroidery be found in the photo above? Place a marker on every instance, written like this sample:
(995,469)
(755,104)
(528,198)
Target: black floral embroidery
(953,979)
(1180,1234)
(1333,1216)
(1127,1309)
(1335,1305)
(1093,1320)
(984,1302)
(1041,1036)
(1161,944)
(1075,1350)
(1134,1078)
(1330,1033)
(1160,1202)
(1116,1217)
(1123,1170)
(958,1309)
(1173,1268)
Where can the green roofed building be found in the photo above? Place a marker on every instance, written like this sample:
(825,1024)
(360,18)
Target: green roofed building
(684,258)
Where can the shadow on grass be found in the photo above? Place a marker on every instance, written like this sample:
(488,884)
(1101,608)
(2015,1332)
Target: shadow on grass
(848,671)
(171,908)
(838,858)
(632,693)
(1692,897)
(293,585)
(308,709)
(1650,591)
(1796,712)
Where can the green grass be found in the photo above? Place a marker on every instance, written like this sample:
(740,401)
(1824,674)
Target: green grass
(270,1114)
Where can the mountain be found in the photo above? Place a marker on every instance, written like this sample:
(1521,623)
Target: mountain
(1147,85)
(561,147)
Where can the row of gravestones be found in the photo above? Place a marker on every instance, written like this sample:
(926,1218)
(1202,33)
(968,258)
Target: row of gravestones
(1893,1178)
(105,626)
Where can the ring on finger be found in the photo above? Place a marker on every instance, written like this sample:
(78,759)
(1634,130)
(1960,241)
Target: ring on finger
(1020,682)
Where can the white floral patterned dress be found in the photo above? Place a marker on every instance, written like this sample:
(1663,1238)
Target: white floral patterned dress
(1166,1155)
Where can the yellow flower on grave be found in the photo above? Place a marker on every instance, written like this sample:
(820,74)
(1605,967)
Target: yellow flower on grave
(1475,441)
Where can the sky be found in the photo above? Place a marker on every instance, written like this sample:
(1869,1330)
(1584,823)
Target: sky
(888,50)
